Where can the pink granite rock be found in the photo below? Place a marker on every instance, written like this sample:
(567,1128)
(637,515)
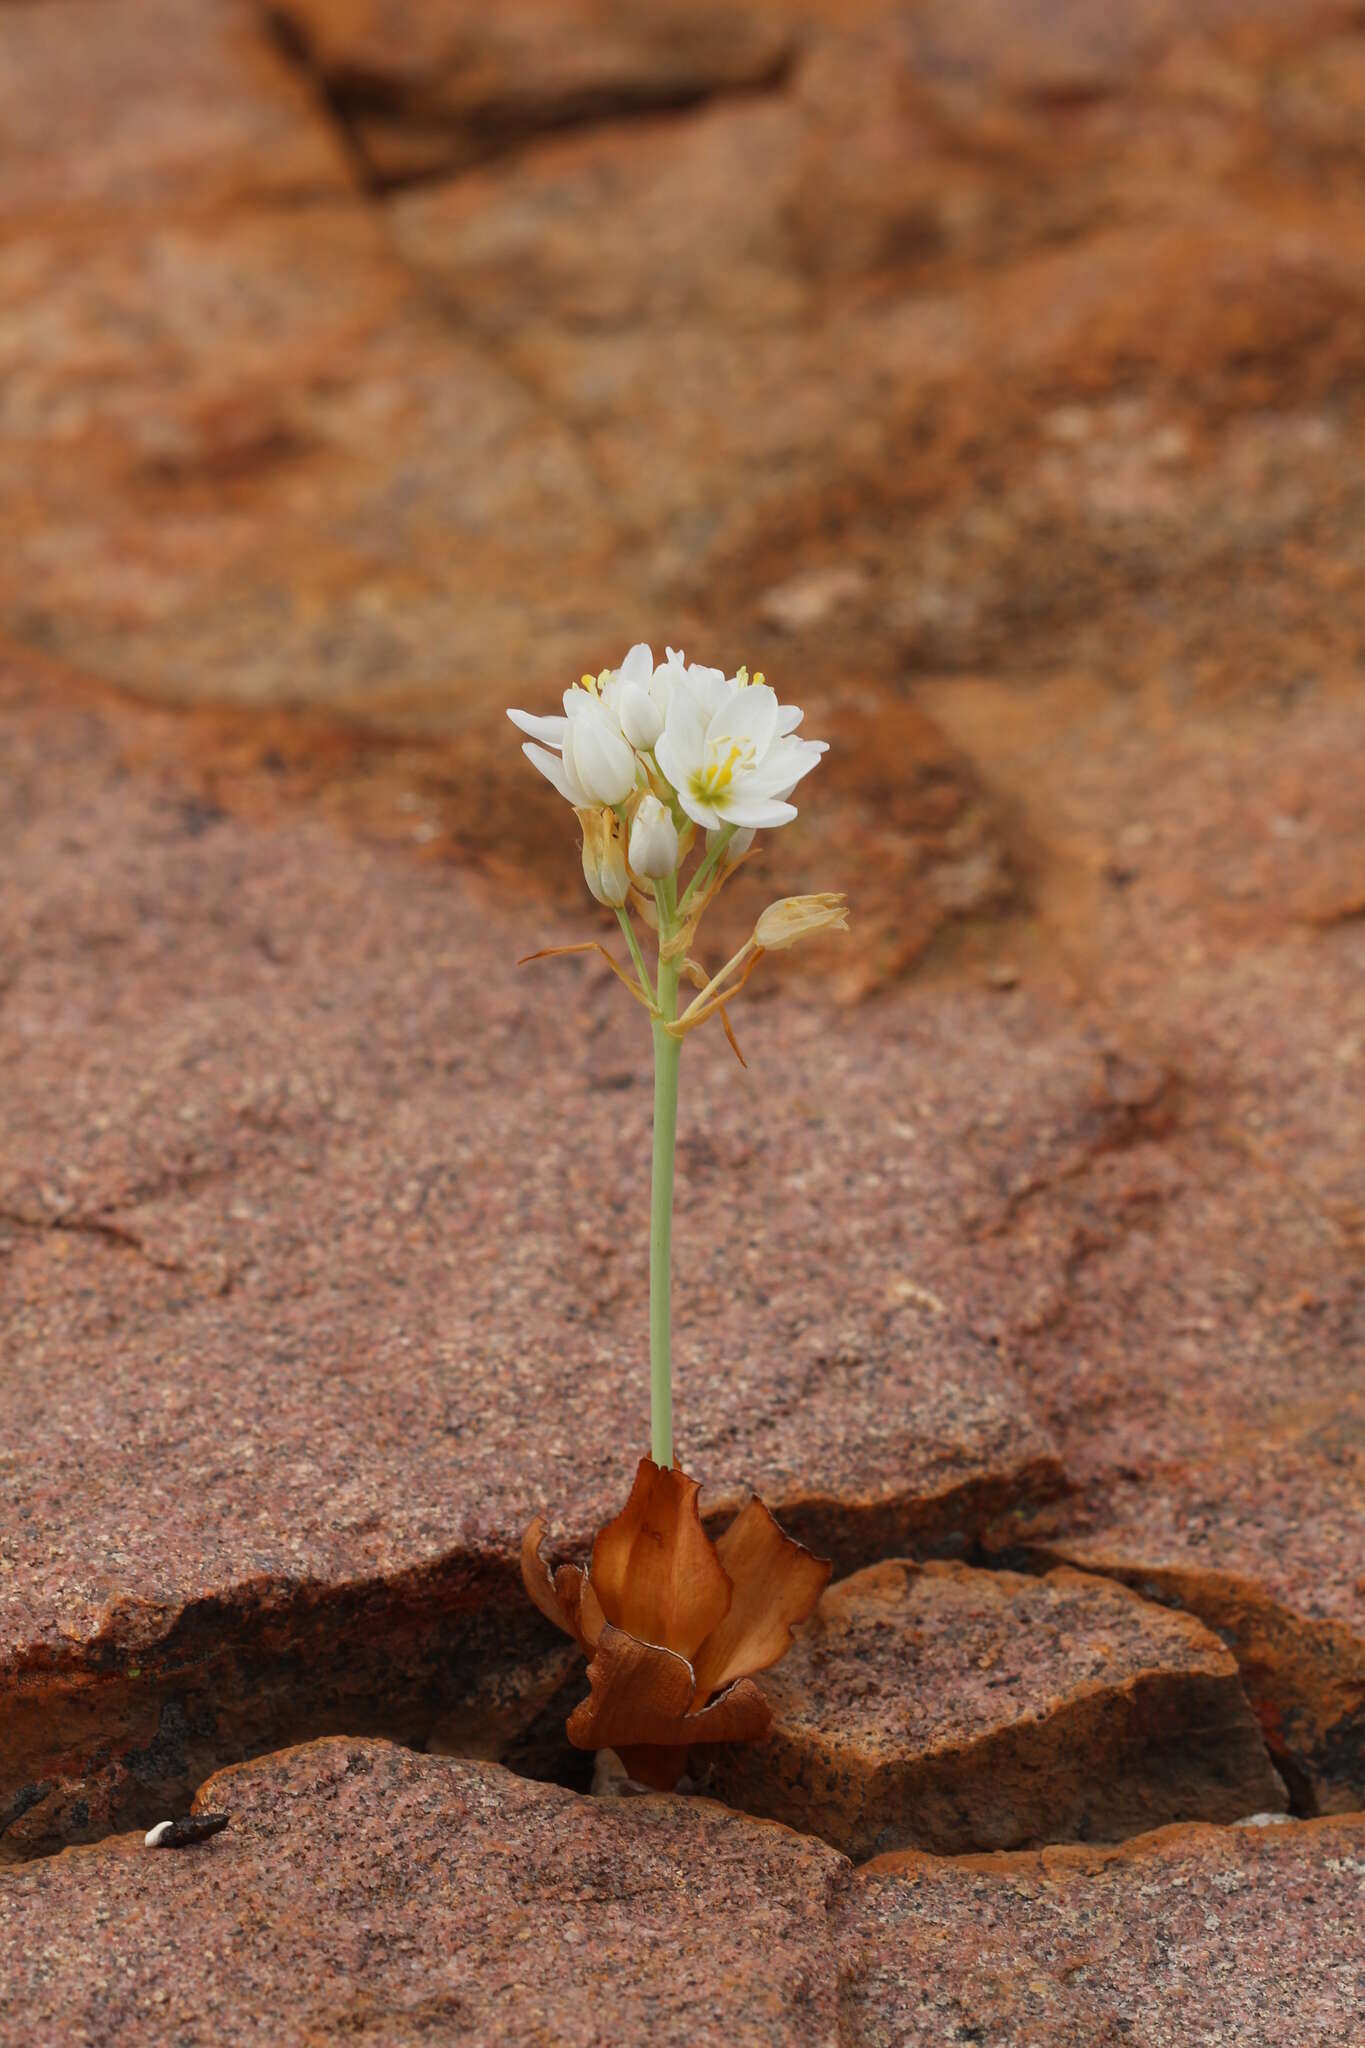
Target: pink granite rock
(1034,333)
(362,1891)
(153,106)
(1187,1309)
(943,1708)
(1247,1937)
(428,86)
(314,1298)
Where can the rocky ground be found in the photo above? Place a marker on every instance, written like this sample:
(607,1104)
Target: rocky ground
(994,378)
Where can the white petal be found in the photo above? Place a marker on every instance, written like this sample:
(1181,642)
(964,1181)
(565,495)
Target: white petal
(653,841)
(749,716)
(642,719)
(682,745)
(789,716)
(709,686)
(665,680)
(551,729)
(597,754)
(739,845)
(783,768)
(556,771)
(765,813)
(638,665)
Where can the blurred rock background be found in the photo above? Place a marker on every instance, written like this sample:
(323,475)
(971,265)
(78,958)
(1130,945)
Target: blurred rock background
(989,374)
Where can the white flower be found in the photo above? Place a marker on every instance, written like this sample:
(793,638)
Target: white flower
(653,841)
(730,753)
(606,719)
(640,695)
(724,743)
(708,687)
(595,763)
(604,856)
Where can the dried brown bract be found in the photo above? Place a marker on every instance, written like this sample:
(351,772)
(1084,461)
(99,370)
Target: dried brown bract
(674,1626)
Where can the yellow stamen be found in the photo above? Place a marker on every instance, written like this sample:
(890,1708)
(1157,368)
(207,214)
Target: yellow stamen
(717,775)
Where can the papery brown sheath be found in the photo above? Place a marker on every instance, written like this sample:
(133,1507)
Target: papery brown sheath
(674,1626)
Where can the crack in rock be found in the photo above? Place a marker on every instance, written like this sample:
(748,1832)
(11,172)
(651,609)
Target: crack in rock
(93,1226)
(408,118)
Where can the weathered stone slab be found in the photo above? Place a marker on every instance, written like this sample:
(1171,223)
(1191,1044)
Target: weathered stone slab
(361,1891)
(1199,1346)
(1279,1583)
(1187,1309)
(1246,1937)
(1037,334)
(282,476)
(163,105)
(323,1237)
(430,86)
(948,1709)
(838,325)
(1192,1330)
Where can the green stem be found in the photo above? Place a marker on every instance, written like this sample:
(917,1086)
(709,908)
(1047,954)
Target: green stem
(667,1053)
(704,872)
(636,955)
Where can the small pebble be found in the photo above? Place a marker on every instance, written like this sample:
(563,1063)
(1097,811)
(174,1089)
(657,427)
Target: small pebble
(182,1834)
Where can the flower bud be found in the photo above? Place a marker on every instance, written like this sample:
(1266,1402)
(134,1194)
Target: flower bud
(653,841)
(796,917)
(597,756)
(604,857)
(641,719)
(736,846)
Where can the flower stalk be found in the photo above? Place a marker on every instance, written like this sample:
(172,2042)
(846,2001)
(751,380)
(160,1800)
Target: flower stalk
(667,1059)
(657,761)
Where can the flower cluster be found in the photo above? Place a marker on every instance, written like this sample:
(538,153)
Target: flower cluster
(721,748)
(650,755)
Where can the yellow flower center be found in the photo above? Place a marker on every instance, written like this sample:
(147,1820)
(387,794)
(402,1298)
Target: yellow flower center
(716,777)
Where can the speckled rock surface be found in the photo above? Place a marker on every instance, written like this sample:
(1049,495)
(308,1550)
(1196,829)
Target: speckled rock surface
(289,1204)
(949,1709)
(992,376)
(1235,1937)
(362,1892)
(264,1205)
(1187,1312)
